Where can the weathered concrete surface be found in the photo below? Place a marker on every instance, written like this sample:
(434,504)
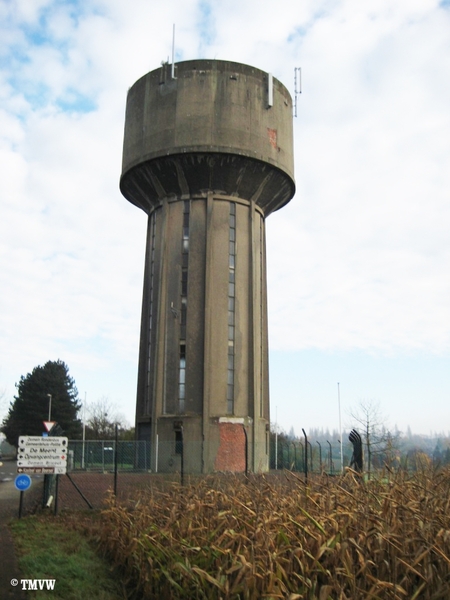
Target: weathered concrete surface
(208,155)
(208,129)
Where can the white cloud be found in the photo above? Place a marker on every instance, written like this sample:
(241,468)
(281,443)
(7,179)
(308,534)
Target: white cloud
(358,260)
(368,245)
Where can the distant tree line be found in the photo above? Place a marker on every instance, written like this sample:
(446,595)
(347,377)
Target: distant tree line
(382,446)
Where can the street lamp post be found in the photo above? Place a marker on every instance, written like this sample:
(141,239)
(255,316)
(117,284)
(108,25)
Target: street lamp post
(84,433)
(49,407)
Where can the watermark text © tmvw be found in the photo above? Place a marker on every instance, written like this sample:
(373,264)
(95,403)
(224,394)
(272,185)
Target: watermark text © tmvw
(35,584)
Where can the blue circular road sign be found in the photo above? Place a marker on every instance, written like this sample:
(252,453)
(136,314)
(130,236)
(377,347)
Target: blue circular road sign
(22,482)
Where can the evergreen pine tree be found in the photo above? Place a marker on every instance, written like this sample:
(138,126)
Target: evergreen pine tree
(30,407)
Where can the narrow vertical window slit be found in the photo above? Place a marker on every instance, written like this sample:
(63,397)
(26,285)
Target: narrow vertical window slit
(231,307)
(150,304)
(183,307)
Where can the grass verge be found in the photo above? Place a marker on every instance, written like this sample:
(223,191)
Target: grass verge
(56,548)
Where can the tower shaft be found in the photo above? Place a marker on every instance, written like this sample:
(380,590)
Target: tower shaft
(207,156)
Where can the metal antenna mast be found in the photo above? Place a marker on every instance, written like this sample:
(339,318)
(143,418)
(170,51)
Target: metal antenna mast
(297,86)
(173,52)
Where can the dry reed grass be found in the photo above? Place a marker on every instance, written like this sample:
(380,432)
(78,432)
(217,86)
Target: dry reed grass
(275,537)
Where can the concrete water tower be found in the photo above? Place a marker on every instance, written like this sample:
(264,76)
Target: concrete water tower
(208,155)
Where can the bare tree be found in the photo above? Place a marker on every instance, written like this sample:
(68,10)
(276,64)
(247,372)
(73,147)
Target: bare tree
(378,440)
(103,418)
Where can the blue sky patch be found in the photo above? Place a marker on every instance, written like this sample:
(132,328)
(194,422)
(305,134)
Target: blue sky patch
(73,101)
(206,25)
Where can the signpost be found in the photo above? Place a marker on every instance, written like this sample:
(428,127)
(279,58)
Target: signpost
(22,483)
(37,470)
(42,455)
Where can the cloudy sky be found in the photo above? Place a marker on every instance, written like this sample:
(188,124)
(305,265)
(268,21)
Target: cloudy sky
(359,261)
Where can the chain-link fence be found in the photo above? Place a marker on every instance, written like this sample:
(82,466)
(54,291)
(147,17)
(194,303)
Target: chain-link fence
(321,457)
(97,469)
(100,455)
(172,457)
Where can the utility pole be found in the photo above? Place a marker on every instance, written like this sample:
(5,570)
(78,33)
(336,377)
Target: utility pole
(340,430)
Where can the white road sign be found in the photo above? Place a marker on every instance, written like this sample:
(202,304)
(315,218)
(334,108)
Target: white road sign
(38,470)
(48,452)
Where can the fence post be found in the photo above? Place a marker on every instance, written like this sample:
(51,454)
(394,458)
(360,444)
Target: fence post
(276,448)
(116,457)
(357,457)
(246,450)
(320,456)
(178,427)
(56,494)
(311,466)
(306,455)
(330,458)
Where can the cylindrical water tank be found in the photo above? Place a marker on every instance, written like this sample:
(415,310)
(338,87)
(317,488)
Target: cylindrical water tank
(218,125)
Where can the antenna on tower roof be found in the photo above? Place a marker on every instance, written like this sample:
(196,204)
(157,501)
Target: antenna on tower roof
(297,86)
(173,52)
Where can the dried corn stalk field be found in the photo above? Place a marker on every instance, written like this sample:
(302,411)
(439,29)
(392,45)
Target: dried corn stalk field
(276,537)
